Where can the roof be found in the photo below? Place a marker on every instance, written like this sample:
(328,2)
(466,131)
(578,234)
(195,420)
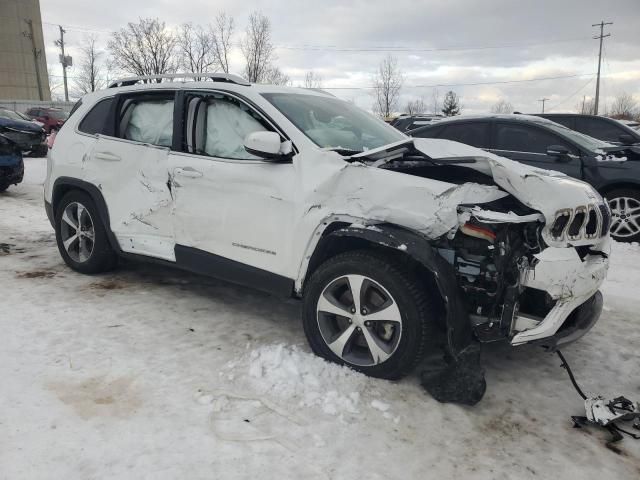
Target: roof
(494,116)
(173,83)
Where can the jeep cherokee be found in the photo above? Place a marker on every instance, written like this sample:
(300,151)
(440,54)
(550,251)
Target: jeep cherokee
(391,242)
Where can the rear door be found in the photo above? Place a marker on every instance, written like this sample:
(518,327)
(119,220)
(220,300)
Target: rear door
(130,167)
(528,143)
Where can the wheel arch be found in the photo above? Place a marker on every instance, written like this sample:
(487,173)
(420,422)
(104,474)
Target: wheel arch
(604,190)
(416,252)
(64,185)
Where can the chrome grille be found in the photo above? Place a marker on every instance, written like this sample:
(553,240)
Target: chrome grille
(581,223)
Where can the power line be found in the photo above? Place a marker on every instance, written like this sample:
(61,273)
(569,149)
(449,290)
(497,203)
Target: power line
(397,48)
(572,95)
(377,48)
(498,82)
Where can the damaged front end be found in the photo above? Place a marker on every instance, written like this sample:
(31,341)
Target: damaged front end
(527,265)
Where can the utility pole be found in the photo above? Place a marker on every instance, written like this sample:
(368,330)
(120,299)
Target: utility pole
(63,61)
(543,100)
(601,37)
(36,55)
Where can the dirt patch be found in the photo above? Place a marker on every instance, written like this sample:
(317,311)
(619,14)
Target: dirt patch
(36,274)
(99,396)
(9,248)
(107,285)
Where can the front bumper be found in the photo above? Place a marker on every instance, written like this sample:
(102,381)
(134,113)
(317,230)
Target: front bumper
(573,284)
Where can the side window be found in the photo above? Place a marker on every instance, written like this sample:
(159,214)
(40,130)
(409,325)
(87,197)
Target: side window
(147,119)
(523,138)
(217,125)
(96,120)
(431,132)
(598,128)
(475,134)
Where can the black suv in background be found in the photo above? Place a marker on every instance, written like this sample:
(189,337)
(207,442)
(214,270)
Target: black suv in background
(603,128)
(613,170)
(405,123)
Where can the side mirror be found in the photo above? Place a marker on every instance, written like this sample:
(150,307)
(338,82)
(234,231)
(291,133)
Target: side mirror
(557,151)
(267,145)
(626,139)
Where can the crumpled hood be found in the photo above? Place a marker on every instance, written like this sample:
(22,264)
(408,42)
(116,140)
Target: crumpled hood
(543,190)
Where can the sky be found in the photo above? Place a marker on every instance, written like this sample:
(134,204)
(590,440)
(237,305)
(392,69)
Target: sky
(484,51)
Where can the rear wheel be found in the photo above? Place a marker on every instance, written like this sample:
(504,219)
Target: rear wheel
(3,187)
(625,213)
(362,310)
(81,236)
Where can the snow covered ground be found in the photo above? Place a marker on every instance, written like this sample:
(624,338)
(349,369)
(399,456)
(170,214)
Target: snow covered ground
(148,372)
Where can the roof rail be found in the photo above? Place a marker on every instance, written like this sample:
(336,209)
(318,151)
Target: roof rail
(216,77)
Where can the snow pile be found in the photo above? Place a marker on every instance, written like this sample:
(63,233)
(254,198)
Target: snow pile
(287,373)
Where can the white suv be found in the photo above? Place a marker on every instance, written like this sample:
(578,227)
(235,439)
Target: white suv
(391,242)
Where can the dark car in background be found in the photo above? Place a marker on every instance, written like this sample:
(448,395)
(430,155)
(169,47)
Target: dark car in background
(603,128)
(405,123)
(613,170)
(51,118)
(28,136)
(11,163)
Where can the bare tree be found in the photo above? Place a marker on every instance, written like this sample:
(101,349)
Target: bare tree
(387,83)
(275,76)
(586,106)
(502,106)
(257,48)
(221,33)
(435,100)
(416,106)
(624,107)
(144,48)
(89,75)
(196,48)
(312,80)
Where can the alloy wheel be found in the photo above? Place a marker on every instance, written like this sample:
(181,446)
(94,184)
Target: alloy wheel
(77,232)
(359,320)
(625,212)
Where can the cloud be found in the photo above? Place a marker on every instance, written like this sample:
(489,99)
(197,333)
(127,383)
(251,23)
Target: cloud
(453,42)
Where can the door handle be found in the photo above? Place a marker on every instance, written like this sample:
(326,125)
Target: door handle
(187,172)
(107,156)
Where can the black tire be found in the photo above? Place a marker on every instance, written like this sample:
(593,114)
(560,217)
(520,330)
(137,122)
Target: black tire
(416,308)
(3,187)
(102,257)
(625,234)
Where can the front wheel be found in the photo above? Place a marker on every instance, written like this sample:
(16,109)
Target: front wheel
(364,311)
(625,213)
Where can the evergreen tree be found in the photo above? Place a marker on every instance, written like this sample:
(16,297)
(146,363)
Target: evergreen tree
(451,105)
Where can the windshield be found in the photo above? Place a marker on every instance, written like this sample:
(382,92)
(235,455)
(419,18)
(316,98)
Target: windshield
(585,141)
(333,123)
(9,114)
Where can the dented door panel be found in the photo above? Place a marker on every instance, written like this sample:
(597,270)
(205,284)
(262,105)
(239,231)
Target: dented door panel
(133,178)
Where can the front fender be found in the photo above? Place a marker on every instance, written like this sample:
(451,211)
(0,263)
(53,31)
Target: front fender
(417,247)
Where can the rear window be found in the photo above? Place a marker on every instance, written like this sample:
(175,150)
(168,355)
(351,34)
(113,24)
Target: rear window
(95,121)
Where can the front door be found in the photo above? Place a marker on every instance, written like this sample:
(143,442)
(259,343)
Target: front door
(529,143)
(230,205)
(131,171)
